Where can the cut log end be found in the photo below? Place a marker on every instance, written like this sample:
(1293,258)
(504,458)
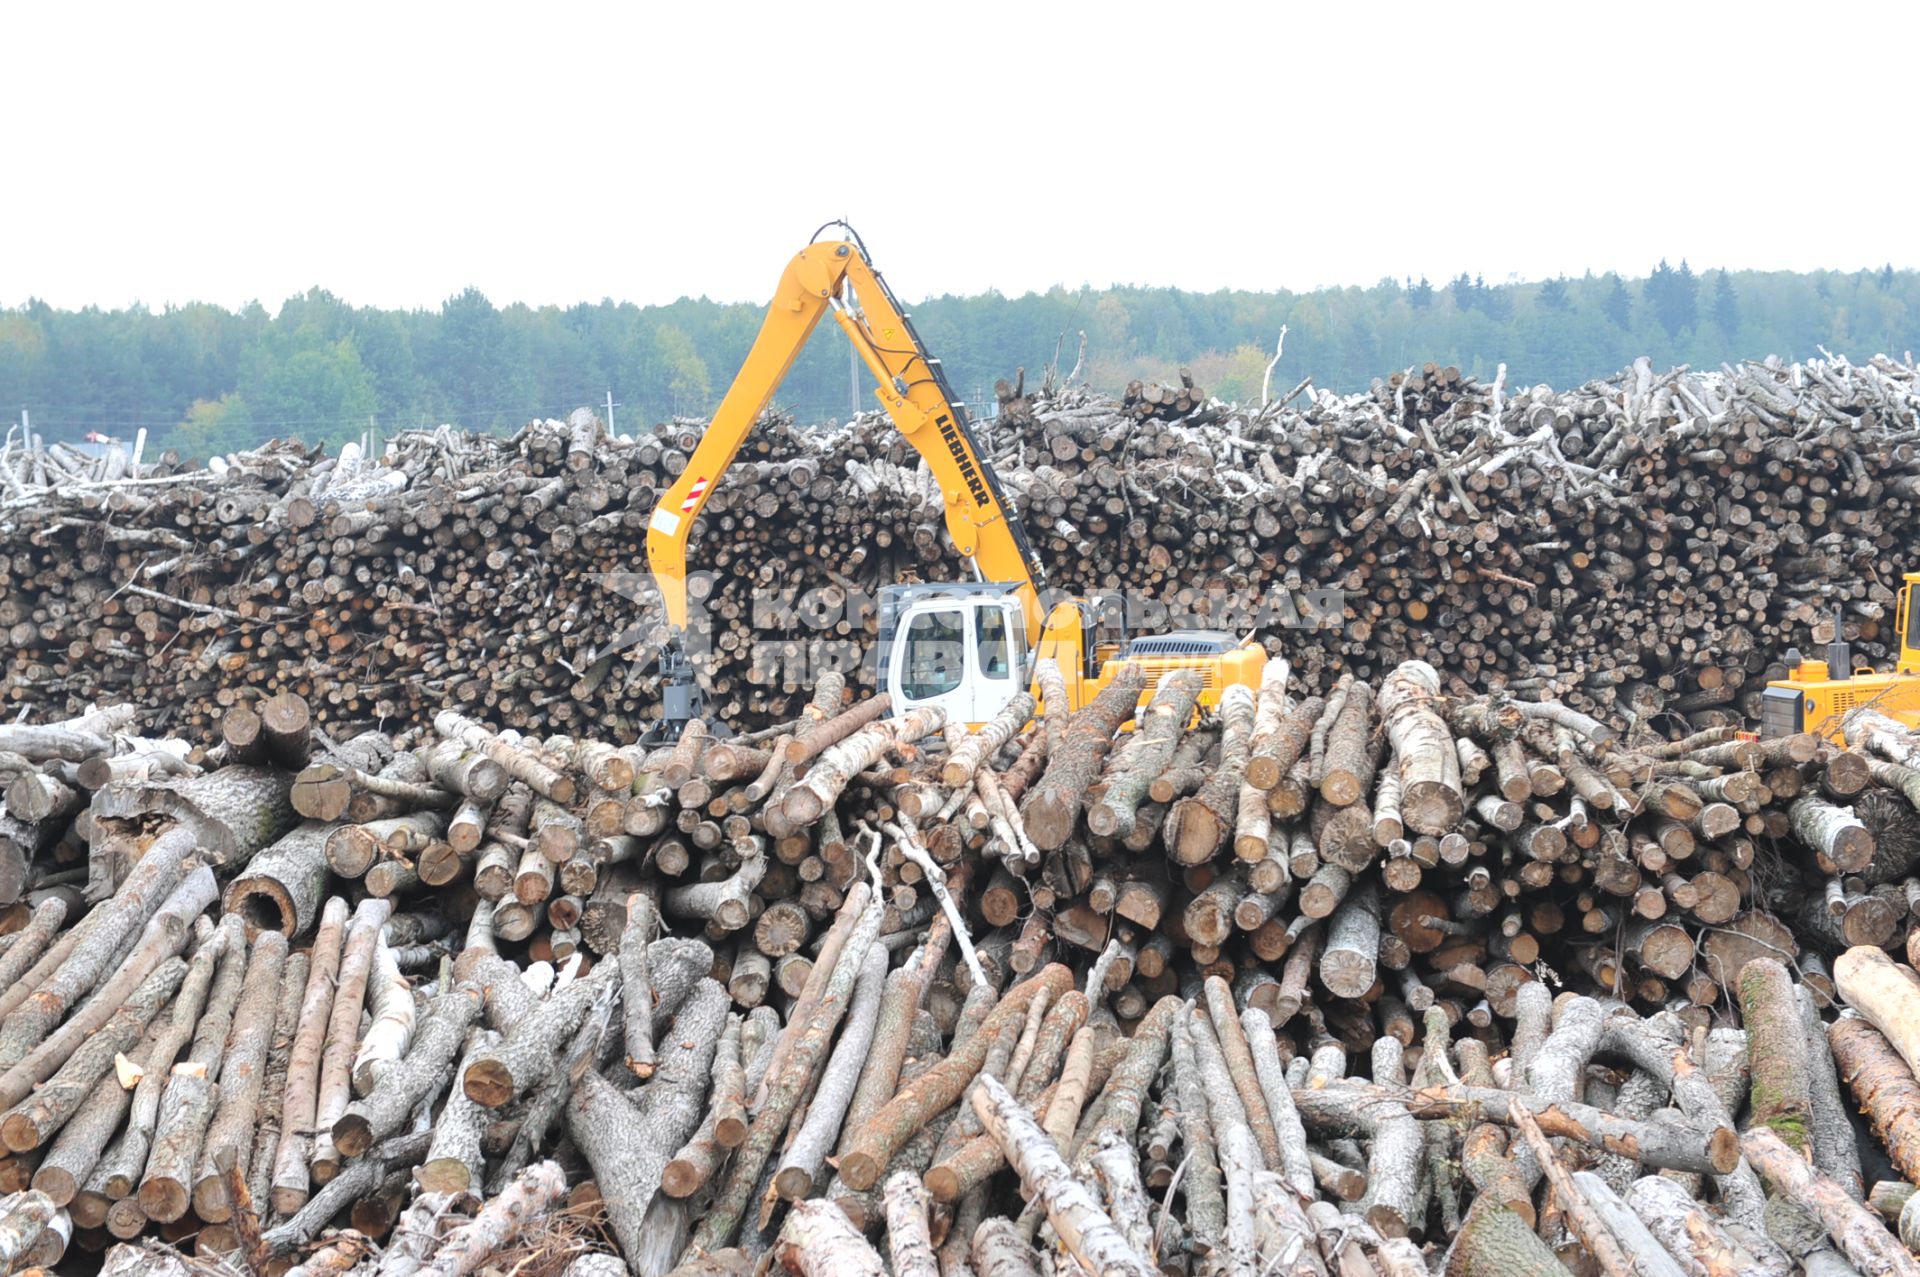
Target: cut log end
(264,905)
(1429,807)
(792,1183)
(488,1083)
(19,1133)
(352,1135)
(1723,1150)
(439,1175)
(860,1171)
(162,1199)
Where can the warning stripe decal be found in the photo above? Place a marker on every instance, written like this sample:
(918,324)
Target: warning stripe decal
(693,496)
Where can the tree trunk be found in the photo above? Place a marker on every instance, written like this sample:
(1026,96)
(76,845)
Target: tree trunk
(454,1162)
(909,1242)
(1198,826)
(919,1101)
(637,984)
(232,812)
(835,767)
(166,1190)
(1431,800)
(817,1241)
(1888,995)
(978,747)
(1240,1067)
(467,1249)
(1781,1094)
(37,1009)
(1833,832)
(527,1054)
(283,886)
(1884,1088)
(629,1141)
(162,937)
(1082,1227)
(1051,809)
(289,1191)
(1134,766)
(703,1152)
(229,1135)
(784,1091)
(807,1150)
(998,1250)
(1863,1239)
(420,1073)
(32,1122)
(121,1167)
(1495,1242)
(1686,1230)
(334,1089)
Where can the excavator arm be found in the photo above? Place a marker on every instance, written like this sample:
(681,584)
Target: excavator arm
(835,275)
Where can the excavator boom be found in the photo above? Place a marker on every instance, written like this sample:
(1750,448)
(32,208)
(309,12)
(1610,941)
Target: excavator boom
(835,276)
(968,647)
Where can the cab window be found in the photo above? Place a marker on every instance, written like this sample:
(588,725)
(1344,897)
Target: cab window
(935,656)
(1913,617)
(992,625)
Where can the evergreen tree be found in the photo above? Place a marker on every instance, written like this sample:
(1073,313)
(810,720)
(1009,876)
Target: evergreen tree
(1619,303)
(1464,290)
(1657,292)
(1679,309)
(1496,303)
(1726,306)
(1553,295)
(1421,294)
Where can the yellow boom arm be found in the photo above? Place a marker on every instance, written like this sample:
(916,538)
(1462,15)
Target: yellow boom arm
(913,391)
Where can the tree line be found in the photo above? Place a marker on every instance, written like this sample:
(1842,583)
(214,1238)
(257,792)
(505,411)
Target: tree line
(206,379)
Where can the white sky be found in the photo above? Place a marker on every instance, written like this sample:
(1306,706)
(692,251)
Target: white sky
(395,153)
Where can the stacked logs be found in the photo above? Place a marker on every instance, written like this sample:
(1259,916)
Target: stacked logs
(1647,544)
(1152,400)
(1410,849)
(1289,965)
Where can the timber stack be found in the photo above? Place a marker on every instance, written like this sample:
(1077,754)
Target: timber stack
(1641,546)
(1334,984)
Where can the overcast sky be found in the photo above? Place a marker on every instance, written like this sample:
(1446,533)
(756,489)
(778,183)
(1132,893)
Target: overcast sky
(396,153)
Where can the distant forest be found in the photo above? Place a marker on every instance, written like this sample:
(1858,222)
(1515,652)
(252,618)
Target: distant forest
(206,379)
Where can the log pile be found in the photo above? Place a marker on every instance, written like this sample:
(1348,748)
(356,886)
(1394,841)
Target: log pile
(1339,983)
(1645,545)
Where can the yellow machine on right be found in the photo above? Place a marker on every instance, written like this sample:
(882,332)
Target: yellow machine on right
(1816,695)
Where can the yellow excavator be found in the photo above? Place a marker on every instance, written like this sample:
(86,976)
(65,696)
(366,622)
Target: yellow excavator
(965,646)
(1816,696)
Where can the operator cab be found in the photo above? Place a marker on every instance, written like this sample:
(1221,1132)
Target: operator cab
(961,646)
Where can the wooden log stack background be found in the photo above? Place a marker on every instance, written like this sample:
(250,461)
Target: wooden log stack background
(1383,981)
(1647,544)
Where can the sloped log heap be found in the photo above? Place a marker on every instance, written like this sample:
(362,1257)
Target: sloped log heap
(1350,983)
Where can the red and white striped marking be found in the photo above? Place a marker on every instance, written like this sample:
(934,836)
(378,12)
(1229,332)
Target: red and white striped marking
(698,490)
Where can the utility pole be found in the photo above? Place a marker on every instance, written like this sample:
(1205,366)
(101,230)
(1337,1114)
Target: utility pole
(610,407)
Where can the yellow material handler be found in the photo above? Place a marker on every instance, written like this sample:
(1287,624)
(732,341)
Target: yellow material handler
(965,646)
(1816,696)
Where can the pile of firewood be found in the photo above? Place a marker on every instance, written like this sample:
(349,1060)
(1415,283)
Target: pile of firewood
(1144,400)
(1329,985)
(1644,545)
